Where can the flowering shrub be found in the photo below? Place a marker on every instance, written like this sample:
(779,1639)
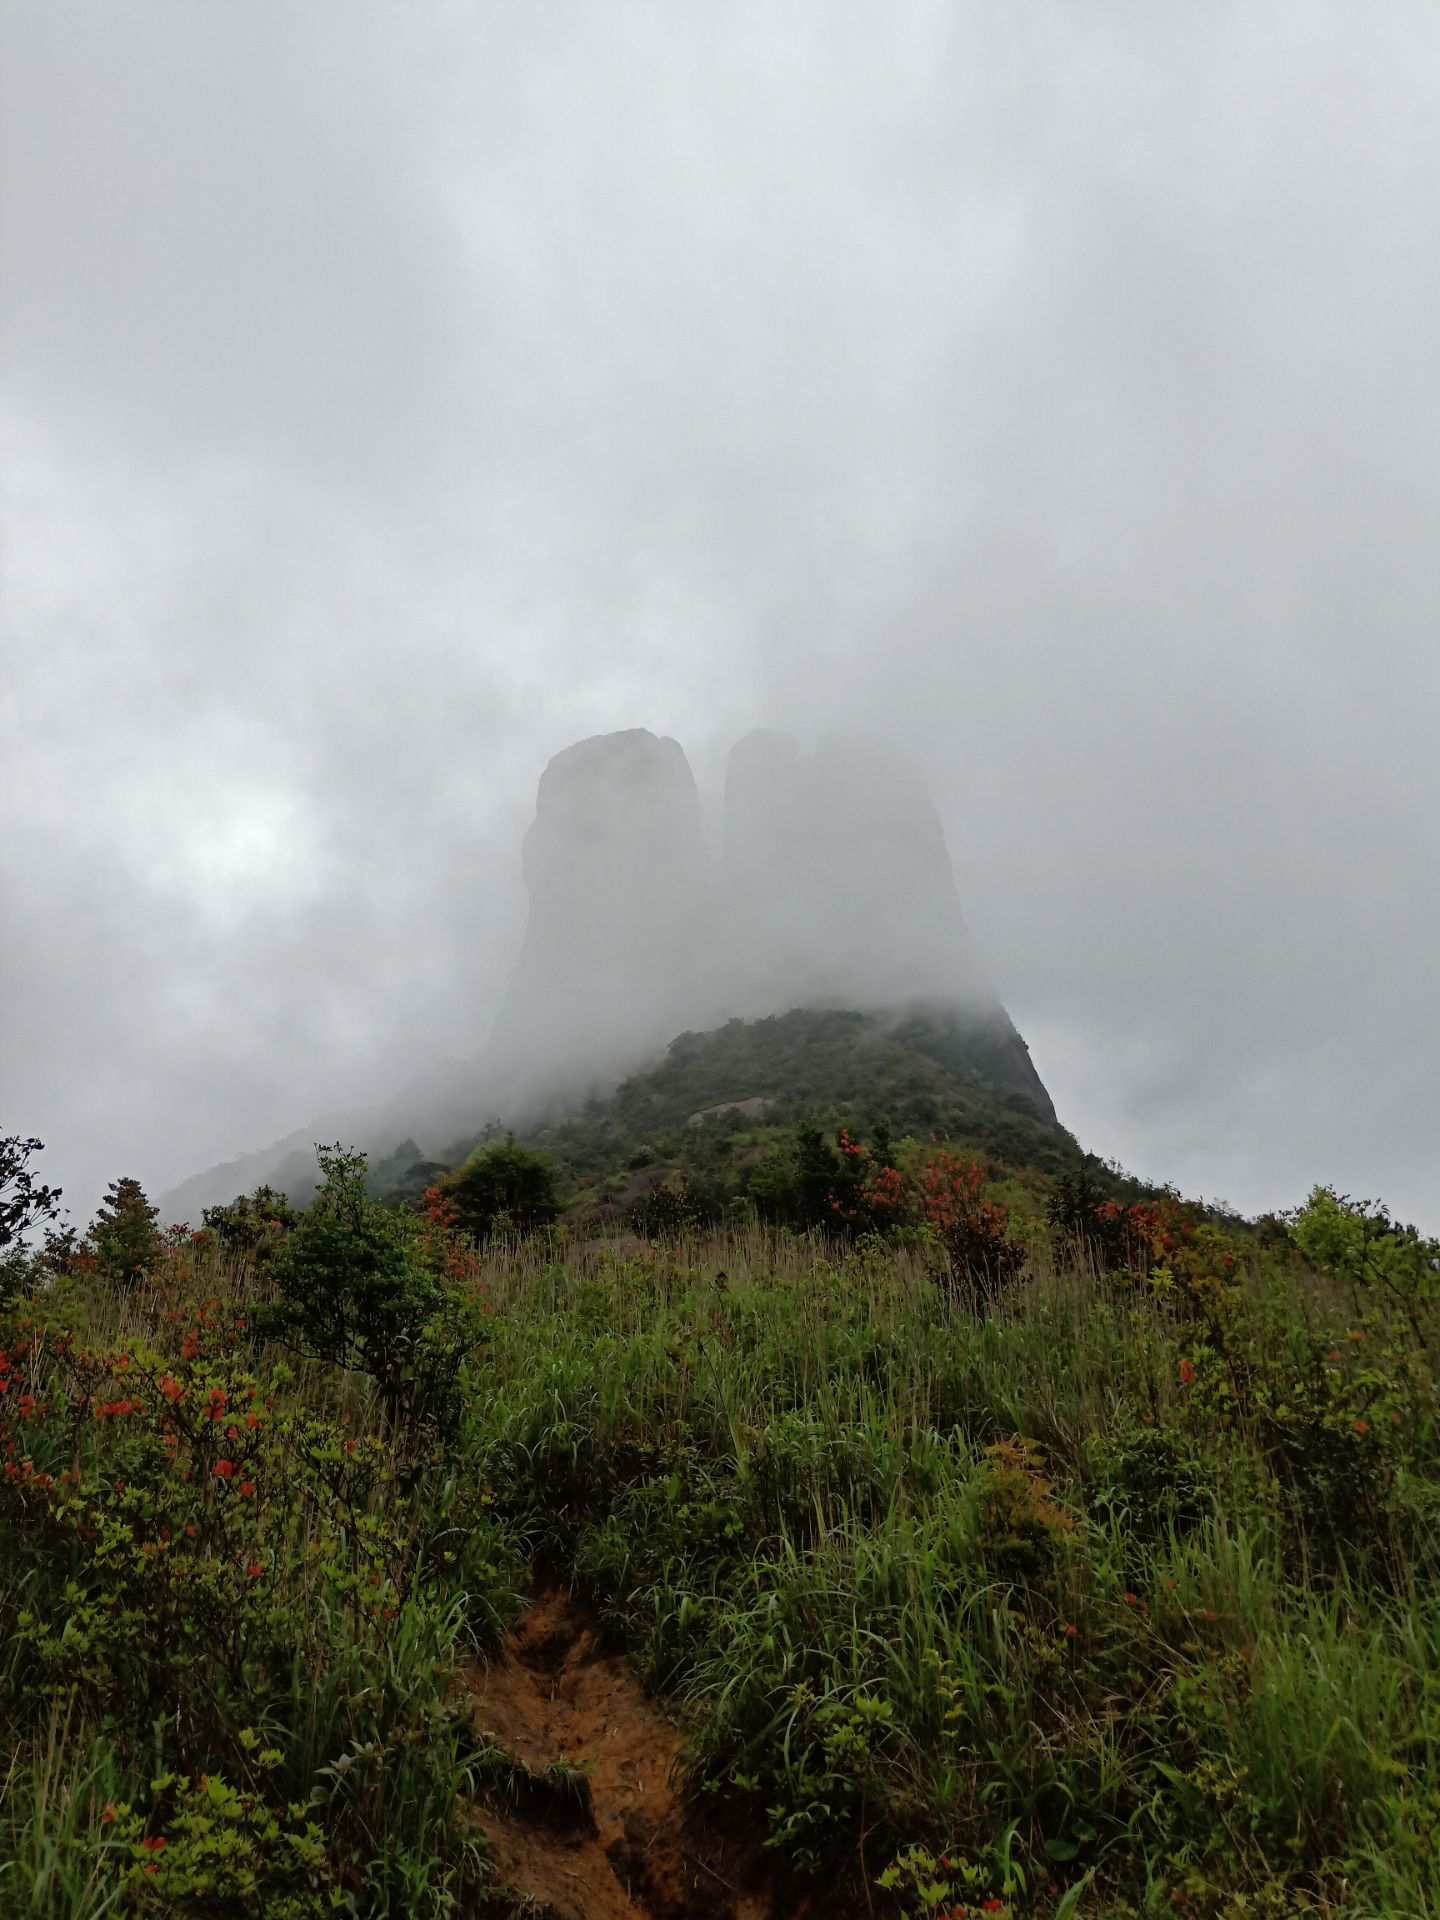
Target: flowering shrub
(242,1589)
(982,1260)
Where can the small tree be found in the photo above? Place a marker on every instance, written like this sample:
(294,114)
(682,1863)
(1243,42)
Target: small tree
(357,1287)
(502,1186)
(126,1234)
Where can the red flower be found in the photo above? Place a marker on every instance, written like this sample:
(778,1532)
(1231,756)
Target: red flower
(154,1843)
(1187,1372)
(247,1490)
(254,1571)
(1072,1633)
(224,1469)
(109,1815)
(1362,1426)
(1131,1599)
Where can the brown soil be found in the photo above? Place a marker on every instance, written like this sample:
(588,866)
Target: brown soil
(639,1851)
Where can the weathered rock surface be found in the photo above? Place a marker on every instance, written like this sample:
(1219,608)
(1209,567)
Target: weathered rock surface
(618,953)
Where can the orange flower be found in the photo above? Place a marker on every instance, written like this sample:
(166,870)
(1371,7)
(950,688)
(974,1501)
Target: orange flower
(254,1571)
(1362,1426)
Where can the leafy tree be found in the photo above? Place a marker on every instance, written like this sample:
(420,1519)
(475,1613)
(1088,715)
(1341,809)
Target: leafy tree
(24,1201)
(126,1234)
(502,1187)
(355,1288)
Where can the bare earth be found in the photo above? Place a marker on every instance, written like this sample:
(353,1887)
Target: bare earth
(554,1696)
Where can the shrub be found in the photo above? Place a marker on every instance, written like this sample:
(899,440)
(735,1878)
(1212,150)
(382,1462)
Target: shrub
(502,1188)
(668,1211)
(1359,1243)
(981,1260)
(255,1224)
(358,1286)
(253,1602)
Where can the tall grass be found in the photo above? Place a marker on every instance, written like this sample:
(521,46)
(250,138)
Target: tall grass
(1071,1596)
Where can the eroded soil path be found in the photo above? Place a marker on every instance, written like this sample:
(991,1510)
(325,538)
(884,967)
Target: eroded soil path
(638,1850)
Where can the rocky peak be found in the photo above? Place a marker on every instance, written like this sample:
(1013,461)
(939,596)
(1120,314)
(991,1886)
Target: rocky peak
(620,903)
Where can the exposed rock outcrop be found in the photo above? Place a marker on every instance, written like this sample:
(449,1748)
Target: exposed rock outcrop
(619,953)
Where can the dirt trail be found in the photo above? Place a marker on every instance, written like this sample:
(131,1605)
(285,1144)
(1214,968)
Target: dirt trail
(639,1852)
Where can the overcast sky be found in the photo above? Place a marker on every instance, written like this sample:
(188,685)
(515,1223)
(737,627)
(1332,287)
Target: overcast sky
(394,393)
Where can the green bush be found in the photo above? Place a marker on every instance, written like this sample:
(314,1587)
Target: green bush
(502,1188)
(358,1285)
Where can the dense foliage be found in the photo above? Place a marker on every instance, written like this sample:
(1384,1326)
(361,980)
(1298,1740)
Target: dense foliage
(998,1557)
(502,1188)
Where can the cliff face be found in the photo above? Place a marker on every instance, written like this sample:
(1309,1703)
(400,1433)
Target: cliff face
(618,945)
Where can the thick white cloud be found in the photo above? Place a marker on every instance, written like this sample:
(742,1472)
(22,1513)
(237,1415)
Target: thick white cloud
(395,392)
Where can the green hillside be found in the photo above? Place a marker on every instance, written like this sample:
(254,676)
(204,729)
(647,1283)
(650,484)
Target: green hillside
(919,1074)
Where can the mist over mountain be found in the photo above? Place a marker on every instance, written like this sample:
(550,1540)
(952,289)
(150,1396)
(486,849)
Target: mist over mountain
(832,888)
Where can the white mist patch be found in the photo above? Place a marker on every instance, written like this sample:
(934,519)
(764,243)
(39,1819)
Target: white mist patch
(242,851)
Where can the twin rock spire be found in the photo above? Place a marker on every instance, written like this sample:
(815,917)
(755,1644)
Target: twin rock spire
(832,887)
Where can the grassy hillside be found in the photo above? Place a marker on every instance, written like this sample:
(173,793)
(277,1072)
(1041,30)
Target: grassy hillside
(1115,1598)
